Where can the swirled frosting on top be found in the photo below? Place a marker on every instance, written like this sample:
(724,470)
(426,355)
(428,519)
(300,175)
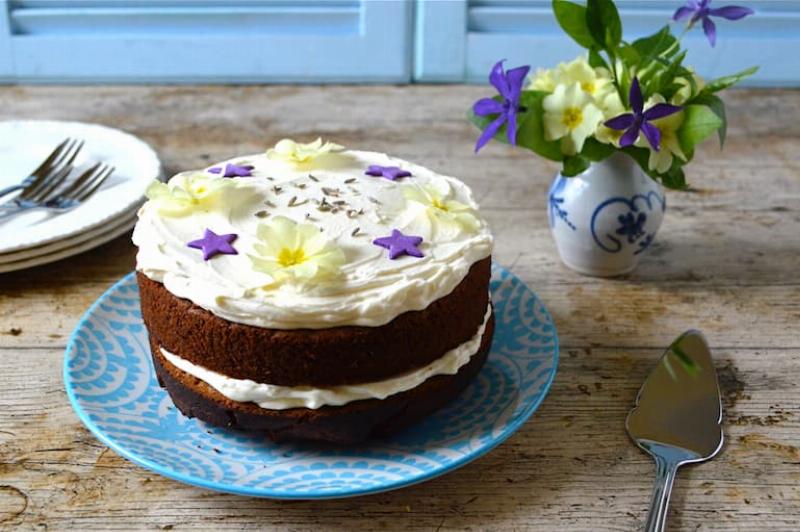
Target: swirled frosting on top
(349,208)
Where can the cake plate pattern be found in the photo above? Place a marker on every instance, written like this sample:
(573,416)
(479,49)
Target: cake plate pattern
(110,382)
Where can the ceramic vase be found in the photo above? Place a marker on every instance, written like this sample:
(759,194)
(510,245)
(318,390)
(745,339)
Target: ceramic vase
(606,218)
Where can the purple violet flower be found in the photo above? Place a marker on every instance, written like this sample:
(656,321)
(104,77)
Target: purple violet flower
(699,10)
(509,85)
(639,119)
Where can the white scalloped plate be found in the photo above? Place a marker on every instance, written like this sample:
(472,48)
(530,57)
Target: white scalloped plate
(89,240)
(25,143)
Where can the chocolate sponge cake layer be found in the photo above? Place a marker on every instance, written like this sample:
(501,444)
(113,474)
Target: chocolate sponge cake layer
(349,423)
(317,357)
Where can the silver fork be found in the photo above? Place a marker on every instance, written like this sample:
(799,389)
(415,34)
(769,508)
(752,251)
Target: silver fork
(50,173)
(73,195)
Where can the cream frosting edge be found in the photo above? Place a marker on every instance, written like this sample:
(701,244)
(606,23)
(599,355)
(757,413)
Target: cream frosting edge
(274,397)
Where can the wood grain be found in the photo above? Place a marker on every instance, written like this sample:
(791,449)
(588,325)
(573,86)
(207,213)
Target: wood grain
(727,261)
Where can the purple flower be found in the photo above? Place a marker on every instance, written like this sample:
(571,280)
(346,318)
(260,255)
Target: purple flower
(509,85)
(639,119)
(699,10)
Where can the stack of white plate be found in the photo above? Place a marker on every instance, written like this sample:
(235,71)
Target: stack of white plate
(38,237)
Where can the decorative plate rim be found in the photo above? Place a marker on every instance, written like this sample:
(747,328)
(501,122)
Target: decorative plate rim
(461,461)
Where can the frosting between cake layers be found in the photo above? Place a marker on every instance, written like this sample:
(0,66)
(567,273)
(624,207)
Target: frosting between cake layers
(274,397)
(369,289)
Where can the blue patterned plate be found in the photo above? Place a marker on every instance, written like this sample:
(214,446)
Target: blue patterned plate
(110,382)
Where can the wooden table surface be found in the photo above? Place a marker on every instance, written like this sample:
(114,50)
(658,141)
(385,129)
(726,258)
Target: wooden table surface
(727,261)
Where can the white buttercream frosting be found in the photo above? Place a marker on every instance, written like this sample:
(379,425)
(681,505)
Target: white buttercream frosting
(275,397)
(369,290)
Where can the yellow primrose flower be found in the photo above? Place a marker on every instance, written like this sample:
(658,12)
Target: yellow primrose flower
(670,147)
(542,80)
(593,81)
(685,93)
(297,153)
(296,252)
(187,192)
(611,106)
(435,214)
(570,115)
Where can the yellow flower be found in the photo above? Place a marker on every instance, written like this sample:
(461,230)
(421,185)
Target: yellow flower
(611,106)
(570,115)
(297,153)
(434,213)
(188,192)
(593,81)
(542,80)
(685,93)
(295,252)
(669,147)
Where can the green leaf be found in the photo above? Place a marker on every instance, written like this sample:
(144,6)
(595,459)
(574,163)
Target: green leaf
(664,78)
(605,26)
(629,55)
(654,45)
(675,178)
(594,150)
(699,122)
(530,128)
(596,60)
(574,165)
(572,19)
(724,82)
(715,103)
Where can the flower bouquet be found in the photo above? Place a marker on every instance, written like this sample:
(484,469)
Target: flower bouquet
(612,117)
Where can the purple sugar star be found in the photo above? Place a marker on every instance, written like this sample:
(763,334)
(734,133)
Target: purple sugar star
(400,244)
(214,244)
(234,170)
(389,172)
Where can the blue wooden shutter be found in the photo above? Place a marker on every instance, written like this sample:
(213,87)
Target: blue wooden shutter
(460,40)
(205,40)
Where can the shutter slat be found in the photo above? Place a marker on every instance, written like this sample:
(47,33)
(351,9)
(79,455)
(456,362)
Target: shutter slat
(190,41)
(204,21)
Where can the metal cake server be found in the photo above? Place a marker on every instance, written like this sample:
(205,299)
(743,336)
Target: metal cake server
(677,416)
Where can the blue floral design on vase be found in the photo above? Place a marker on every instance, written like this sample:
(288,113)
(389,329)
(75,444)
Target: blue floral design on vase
(614,212)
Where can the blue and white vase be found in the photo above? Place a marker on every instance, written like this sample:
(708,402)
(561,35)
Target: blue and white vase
(604,219)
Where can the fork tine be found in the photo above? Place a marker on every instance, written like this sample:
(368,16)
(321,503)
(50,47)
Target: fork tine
(55,174)
(55,169)
(45,170)
(72,190)
(46,191)
(68,154)
(47,163)
(99,180)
